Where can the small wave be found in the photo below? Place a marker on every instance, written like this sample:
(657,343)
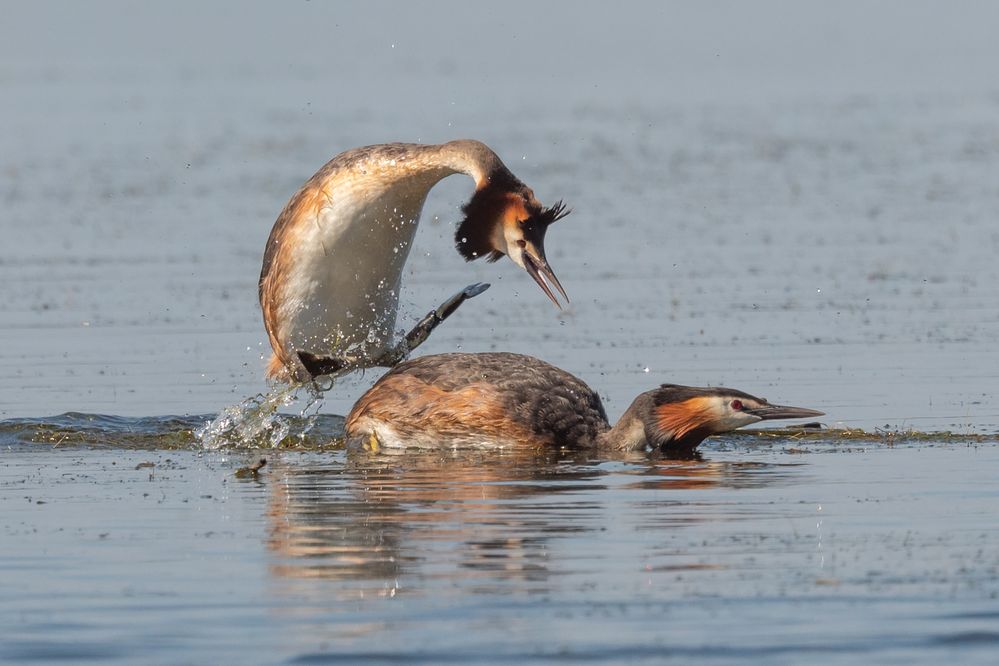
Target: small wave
(254,423)
(101,430)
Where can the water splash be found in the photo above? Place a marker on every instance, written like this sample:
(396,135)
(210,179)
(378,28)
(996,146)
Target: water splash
(257,423)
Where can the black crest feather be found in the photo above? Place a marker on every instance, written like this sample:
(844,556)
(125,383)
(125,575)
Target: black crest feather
(668,393)
(552,214)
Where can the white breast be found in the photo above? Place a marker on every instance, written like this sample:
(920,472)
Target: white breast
(342,293)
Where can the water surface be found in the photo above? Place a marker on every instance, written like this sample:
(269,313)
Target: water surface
(775,548)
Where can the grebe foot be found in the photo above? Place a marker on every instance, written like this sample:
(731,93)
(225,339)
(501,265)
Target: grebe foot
(317,366)
(419,333)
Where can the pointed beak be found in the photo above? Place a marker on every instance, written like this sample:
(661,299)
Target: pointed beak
(771,412)
(538,268)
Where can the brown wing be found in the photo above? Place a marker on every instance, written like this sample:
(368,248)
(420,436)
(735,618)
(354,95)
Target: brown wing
(278,260)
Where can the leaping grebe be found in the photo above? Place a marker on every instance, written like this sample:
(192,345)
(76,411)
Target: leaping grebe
(498,399)
(329,287)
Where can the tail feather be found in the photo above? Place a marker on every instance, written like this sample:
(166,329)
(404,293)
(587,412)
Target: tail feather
(276,370)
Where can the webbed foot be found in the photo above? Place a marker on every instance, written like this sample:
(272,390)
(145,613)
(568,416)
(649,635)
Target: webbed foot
(317,366)
(419,333)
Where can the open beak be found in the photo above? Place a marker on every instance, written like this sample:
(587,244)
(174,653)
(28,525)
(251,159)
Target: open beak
(771,412)
(538,268)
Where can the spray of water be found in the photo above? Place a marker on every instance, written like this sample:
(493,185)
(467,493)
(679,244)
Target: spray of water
(256,422)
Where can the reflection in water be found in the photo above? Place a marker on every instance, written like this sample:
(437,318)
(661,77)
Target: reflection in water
(700,474)
(380,518)
(485,522)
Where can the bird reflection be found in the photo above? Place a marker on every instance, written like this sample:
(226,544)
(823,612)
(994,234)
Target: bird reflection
(382,518)
(487,521)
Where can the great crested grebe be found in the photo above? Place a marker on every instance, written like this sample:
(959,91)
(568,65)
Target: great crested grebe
(499,399)
(329,286)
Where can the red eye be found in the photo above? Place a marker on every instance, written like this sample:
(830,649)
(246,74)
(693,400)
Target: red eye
(737,405)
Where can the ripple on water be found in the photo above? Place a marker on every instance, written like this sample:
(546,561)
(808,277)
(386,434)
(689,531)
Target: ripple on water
(254,424)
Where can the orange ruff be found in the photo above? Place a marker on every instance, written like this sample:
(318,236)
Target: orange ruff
(685,418)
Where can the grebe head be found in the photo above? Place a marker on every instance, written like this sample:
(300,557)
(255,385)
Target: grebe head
(683,416)
(504,218)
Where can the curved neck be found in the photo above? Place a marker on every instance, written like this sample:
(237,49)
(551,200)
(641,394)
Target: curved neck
(472,158)
(628,434)
(642,425)
(631,432)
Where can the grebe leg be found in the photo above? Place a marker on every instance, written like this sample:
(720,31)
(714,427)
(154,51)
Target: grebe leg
(317,366)
(419,333)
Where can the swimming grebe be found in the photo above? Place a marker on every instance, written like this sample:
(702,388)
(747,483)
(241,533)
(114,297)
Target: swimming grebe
(499,399)
(329,286)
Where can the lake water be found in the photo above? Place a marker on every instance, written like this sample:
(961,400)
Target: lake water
(775,550)
(808,214)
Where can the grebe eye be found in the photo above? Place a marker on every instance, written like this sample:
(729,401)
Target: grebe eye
(522,243)
(737,405)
